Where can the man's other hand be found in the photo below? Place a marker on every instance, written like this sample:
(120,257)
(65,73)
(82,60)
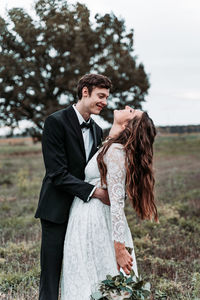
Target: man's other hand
(102,195)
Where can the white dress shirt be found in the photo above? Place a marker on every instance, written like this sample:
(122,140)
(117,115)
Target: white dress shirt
(87,139)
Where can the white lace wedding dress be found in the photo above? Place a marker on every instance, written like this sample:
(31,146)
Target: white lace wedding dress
(92,229)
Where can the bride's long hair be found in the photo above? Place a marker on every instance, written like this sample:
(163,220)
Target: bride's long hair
(137,139)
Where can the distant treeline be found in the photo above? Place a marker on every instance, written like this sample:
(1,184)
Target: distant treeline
(179,129)
(160,129)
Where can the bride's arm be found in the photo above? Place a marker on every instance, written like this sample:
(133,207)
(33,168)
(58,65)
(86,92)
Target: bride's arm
(116,177)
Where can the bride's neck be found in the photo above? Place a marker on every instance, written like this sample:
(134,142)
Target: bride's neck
(115,130)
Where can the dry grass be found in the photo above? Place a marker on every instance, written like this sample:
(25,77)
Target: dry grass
(16,141)
(167,253)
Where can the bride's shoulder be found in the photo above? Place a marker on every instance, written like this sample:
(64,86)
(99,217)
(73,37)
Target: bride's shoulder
(116,146)
(115,150)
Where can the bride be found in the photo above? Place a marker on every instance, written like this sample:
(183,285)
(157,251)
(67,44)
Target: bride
(98,235)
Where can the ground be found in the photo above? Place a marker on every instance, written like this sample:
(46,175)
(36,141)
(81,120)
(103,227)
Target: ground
(167,253)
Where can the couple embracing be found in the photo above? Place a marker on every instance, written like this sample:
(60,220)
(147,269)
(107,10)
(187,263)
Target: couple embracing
(85,233)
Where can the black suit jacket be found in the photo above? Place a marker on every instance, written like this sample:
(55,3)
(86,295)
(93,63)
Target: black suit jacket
(65,161)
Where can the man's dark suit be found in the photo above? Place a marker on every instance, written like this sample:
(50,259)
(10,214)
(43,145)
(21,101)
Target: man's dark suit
(65,161)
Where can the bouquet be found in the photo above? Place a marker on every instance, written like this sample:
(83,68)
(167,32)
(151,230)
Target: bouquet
(121,287)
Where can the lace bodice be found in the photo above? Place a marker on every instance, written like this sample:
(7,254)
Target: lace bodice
(116,176)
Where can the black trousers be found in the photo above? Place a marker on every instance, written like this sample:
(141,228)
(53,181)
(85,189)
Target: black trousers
(51,255)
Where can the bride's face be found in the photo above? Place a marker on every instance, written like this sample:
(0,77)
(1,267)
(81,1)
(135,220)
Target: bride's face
(122,116)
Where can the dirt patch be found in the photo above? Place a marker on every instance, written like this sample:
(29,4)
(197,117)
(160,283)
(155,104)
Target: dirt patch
(16,141)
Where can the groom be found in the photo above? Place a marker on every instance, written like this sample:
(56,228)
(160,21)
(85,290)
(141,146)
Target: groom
(70,139)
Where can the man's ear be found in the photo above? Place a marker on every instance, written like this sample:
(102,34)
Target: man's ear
(85,92)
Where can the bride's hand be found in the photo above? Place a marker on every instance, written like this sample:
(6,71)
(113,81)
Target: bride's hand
(118,267)
(124,259)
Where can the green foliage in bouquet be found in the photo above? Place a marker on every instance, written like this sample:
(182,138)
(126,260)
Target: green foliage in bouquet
(122,287)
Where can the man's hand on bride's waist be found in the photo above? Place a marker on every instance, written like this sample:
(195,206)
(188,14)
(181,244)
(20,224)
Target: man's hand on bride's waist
(102,195)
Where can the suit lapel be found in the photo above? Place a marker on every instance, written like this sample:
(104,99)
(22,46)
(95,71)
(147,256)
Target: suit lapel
(72,117)
(94,135)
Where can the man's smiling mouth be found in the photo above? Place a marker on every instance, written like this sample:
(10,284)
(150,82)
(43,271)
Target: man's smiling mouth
(100,106)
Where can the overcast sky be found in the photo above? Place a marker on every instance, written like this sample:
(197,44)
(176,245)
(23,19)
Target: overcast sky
(167,42)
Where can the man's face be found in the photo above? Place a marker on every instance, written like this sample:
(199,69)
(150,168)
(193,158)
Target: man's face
(96,101)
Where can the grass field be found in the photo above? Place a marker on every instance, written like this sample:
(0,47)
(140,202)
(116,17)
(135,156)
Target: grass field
(168,253)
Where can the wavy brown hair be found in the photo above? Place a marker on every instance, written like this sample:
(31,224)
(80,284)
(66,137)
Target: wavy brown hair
(137,139)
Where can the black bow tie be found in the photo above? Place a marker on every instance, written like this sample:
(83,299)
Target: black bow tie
(86,125)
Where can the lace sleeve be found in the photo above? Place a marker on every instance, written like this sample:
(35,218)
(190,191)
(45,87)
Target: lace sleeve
(116,176)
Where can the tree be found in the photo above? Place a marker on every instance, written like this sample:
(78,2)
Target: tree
(42,59)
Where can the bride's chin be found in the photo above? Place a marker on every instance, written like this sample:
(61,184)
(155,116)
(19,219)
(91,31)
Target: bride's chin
(115,112)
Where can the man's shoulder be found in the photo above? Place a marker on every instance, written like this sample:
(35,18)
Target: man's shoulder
(59,114)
